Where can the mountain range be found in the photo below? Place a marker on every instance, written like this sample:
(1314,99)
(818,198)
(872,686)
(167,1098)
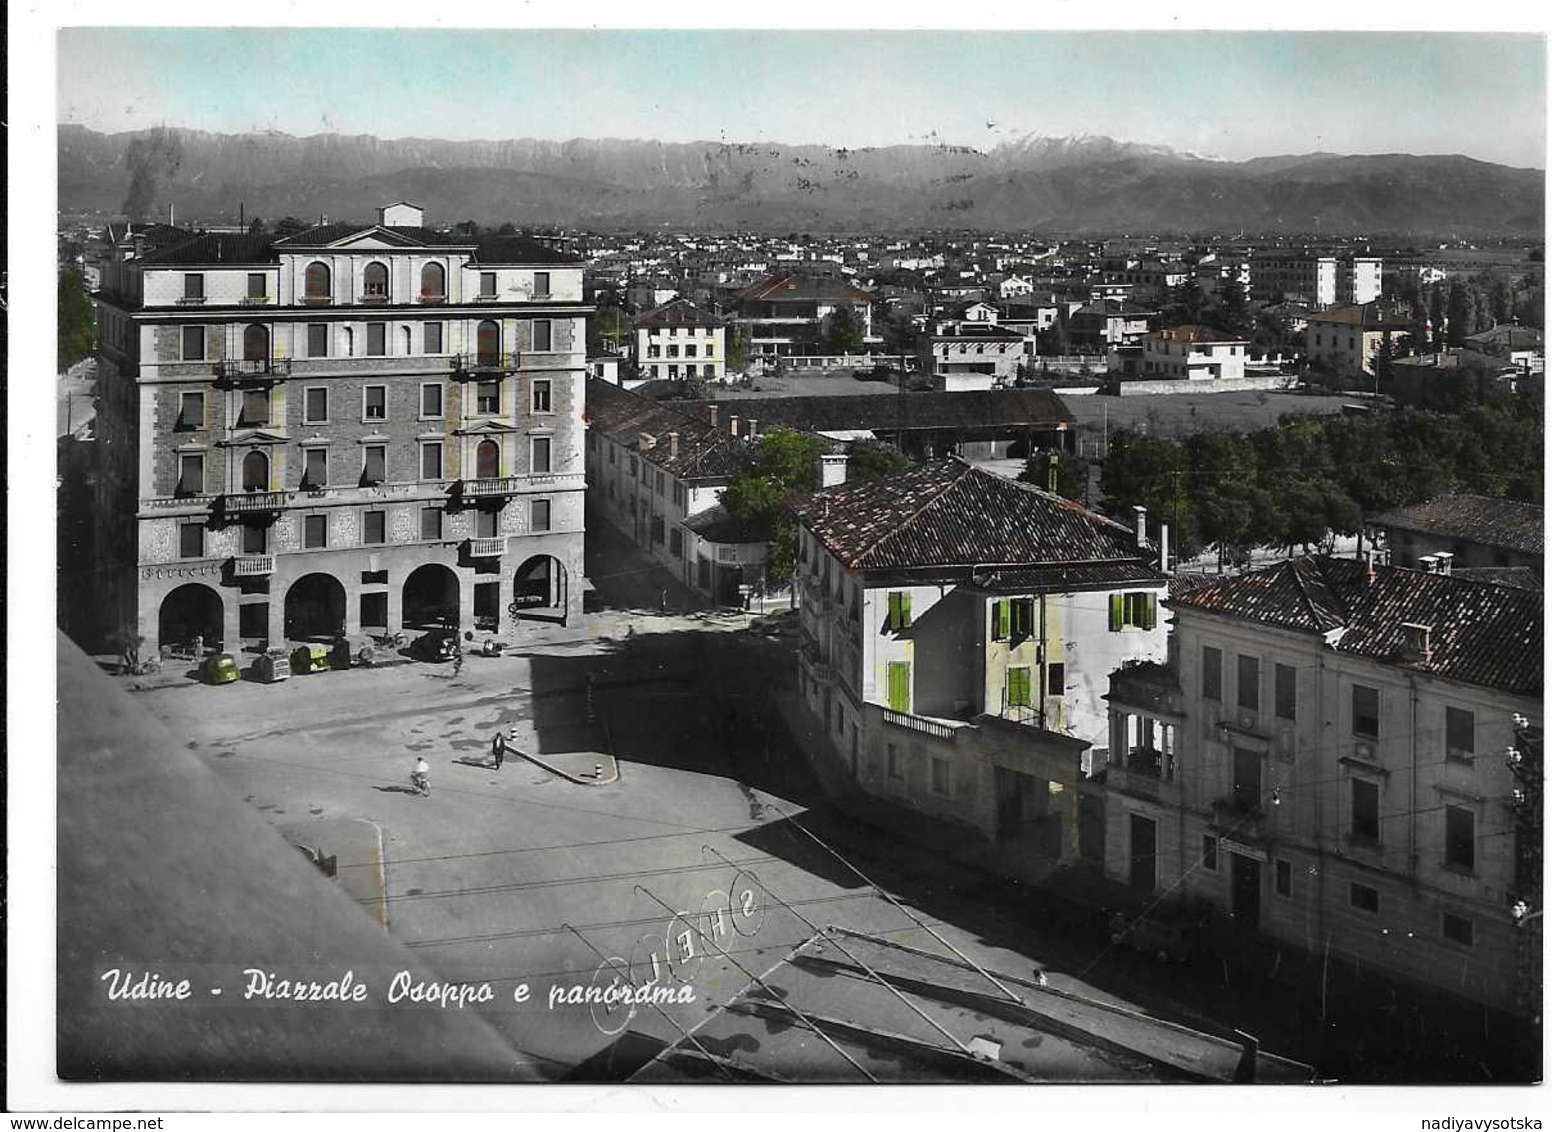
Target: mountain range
(1035,183)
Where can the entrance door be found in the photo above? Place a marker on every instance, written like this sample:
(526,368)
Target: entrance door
(1245,881)
(1145,853)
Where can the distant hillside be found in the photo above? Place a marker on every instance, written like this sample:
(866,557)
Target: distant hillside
(1057,184)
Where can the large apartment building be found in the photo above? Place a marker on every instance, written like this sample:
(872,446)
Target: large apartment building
(1318,280)
(678,341)
(358,427)
(1324,759)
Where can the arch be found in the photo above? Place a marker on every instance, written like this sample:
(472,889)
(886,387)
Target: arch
(487,460)
(487,343)
(318,282)
(255,471)
(433,281)
(255,343)
(539,590)
(192,610)
(315,608)
(374,280)
(431,598)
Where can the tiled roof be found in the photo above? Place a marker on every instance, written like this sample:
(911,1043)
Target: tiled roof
(971,408)
(705,451)
(715,524)
(676,312)
(1480,633)
(979,330)
(1196,333)
(518,249)
(1504,523)
(1368,316)
(323,234)
(950,513)
(794,288)
(204,248)
(1521,577)
(1507,337)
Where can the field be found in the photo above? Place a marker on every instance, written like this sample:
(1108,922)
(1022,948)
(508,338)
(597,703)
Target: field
(1172,415)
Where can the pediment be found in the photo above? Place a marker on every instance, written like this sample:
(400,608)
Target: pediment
(371,239)
(488,428)
(254,436)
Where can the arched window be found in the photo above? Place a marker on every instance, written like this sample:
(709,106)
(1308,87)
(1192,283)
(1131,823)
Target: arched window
(255,344)
(374,281)
(433,282)
(318,287)
(487,460)
(487,344)
(255,471)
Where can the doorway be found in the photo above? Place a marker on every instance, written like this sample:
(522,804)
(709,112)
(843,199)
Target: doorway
(1145,853)
(1245,885)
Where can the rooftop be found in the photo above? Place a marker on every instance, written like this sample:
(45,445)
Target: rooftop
(1480,633)
(1505,523)
(704,451)
(793,288)
(676,312)
(986,409)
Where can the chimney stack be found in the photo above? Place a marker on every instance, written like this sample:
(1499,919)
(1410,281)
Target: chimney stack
(712,411)
(1142,524)
(1164,547)
(832,469)
(1429,563)
(753,432)
(1368,567)
(733,424)
(1443,560)
(673,445)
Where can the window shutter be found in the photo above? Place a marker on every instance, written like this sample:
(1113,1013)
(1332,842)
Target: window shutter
(1117,612)
(1148,610)
(905,611)
(999,620)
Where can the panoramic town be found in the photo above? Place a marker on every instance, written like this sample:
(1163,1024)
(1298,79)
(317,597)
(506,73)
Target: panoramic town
(796,646)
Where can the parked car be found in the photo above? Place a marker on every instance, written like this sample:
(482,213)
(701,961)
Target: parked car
(272,667)
(220,668)
(436,645)
(310,658)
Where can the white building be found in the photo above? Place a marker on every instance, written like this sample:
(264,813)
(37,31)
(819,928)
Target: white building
(679,340)
(1193,353)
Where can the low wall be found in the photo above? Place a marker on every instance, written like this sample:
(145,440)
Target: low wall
(1273,383)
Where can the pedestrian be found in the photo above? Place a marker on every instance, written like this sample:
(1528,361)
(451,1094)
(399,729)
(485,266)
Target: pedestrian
(457,659)
(498,747)
(662,602)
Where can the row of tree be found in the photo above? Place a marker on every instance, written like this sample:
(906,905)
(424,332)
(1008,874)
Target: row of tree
(1290,485)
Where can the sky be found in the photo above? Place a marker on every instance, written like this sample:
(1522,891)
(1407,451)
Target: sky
(1232,94)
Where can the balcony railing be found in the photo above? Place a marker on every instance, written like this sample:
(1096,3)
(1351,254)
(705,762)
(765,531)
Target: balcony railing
(192,301)
(467,367)
(253,565)
(489,488)
(430,299)
(251,502)
(919,723)
(254,301)
(372,300)
(493,547)
(317,300)
(252,369)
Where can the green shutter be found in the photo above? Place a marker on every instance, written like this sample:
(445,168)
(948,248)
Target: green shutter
(905,611)
(999,620)
(1117,612)
(899,686)
(1018,687)
(1149,610)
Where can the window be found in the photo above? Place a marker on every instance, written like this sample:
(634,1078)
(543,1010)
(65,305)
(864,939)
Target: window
(255,471)
(487,460)
(676,542)
(315,531)
(255,540)
(193,344)
(1209,852)
(899,611)
(661,481)
(539,516)
(1131,610)
(1460,728)
(1366,811)
(1247,780)
(708,370)
(487,397)
(374,528)
(673,350)
(1283,878)
(433,283)
(191,540)
(1018,687)
(484,524)
(191,475)
(689,349)
(255,407)
(191,410)
(374,281)
(673,372)
(542,335)
(899,684)
(1056,680)
(540,461)
(258,287)
(940,777)
(1366,711)
(1363,898)
(1021,618)
(1249,684)
(374,464)
(431,400)
(316,286)
(1460,839)
(194,288)
(1285,692)
(487,284)
(431,460)
(541,288)
(894,765)
(318,340)
(431,338)
(315,467)
(315,407)
(656,529)
(374,403)
(430,522)
(376,339)
(540,399)
(1212,674)
(1457,929)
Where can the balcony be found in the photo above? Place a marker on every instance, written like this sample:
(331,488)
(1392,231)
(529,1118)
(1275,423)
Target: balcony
(498,488)
(471,367)
(237,372)
(493,547)
(936,728)
(253,565)
(251,503)
(430,299)
(318,300)
(191,301)
(373,300)
(255,301)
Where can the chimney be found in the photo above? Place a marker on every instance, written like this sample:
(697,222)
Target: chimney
(1142,524)
(832,469)
(171,222)
(753,433)
(1368,568)
(712,411)
(1429,563)
(733,424)
(673,445)
(1164,547)
(1417,643)
(645,441)
(1443,560)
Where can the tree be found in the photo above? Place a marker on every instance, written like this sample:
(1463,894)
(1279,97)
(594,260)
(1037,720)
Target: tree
(737,348)
(290,226)
(256,226)
(842,331)
(1233,308)
(466,228)
(765,493)
(507,228)
(1061,473)
(77,320)
(868,460)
